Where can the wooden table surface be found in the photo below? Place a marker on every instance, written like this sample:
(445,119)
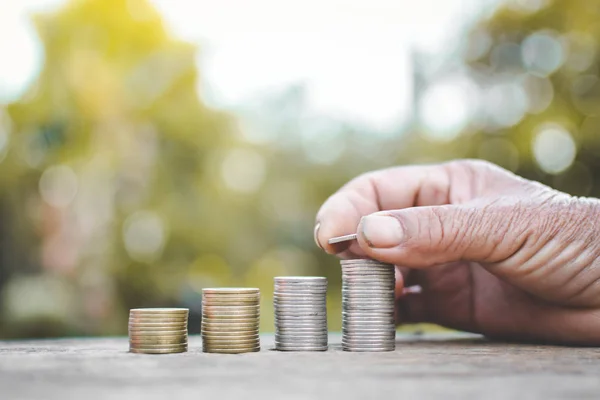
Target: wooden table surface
(442,366)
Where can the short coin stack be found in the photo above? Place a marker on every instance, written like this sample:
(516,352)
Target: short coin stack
(230,320)
(300,313)
(158,330)
(368,306)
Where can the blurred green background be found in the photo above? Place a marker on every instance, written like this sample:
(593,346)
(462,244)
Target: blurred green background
(130,177)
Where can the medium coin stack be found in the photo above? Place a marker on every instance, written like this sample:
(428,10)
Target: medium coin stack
(300,304)
(368,306)
(158,330)
(230,320)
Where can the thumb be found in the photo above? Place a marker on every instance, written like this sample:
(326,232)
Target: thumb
(419,237)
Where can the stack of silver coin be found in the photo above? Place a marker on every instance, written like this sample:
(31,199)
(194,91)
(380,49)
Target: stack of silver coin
(300,313)
(230,320)
(368,306)
(158,330)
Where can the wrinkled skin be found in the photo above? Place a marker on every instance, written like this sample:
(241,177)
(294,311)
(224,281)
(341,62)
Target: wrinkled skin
(494,253)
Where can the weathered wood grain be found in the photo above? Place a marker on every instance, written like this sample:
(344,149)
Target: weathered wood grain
(448,366)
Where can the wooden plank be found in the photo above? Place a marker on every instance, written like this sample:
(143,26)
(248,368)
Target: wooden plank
(442,366)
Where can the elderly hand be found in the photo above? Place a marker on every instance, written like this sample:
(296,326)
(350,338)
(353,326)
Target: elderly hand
(494,253)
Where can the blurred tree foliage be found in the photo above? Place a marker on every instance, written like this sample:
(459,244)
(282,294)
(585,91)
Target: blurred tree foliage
(112,137)
(121,188)
(536,64)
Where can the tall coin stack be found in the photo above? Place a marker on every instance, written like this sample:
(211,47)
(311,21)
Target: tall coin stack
(300,313)
(158,330)
(230,320)
(368,306)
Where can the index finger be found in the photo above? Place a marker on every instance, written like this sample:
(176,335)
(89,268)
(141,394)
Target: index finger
(388,189)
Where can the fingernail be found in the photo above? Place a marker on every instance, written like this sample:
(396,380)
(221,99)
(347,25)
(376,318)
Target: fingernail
(381,231)
(316,235)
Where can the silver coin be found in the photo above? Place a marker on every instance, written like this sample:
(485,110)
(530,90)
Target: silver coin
(307,324)
(301,328)
(373,292)
(363,327)
(367,270)
(300,312)
(377,323)
(371,303)
(367,350)
(283,342)
(290,316)
(366,341)
(303,302)
(368,302)
(371,306)
(306,334)
(305,282)
(300,348)
(362,317)
(371,337)
(372,267)
(286,323)
(370,286)
(358,260)
(301,307)
(344,238)
(303,321)
(367,307)
(230,321)
(301,340)
(298,333)
(308,306)
(366,275)
(300,289)
(300,296)
(313,343)
(367,280)
(378,298)
(295,295)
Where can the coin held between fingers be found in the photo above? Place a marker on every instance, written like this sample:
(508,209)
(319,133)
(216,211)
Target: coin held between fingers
(340,239)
